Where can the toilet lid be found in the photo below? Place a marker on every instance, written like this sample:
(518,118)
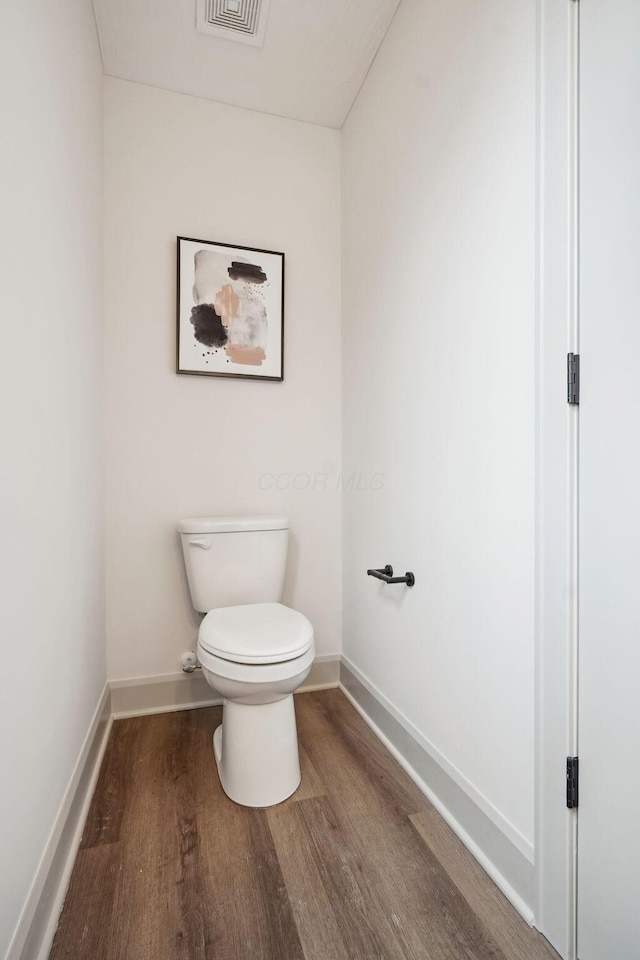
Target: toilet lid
(256,633)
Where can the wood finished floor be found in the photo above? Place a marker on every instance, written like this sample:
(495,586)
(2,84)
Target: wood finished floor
(356,866)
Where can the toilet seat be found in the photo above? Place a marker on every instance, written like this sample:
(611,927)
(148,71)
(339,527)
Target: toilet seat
(255,634)
(257,673)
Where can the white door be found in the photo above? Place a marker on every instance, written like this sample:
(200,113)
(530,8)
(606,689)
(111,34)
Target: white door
(609,482)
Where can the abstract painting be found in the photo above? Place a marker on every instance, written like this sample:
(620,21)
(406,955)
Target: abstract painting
(230,310)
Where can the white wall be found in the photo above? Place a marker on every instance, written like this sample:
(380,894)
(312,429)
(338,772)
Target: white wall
(51,426)
(187,446)
(439,296)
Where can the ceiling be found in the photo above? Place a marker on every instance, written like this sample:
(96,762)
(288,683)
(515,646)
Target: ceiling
(315,56)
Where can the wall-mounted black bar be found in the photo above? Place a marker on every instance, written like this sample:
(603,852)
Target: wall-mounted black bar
(386,574)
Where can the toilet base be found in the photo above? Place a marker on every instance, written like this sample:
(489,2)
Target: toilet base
(256,752)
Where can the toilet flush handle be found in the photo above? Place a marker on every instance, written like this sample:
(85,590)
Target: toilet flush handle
(204,544)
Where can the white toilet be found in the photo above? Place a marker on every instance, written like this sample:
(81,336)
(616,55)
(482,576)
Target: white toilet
(254,651)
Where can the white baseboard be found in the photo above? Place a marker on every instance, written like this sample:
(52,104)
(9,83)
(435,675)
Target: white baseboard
(139,696)
(37,924)
(500,821)
(508,863)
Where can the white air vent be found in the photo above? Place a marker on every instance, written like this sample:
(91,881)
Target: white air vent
(241,20)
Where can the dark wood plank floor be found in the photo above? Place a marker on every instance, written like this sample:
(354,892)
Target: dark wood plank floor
(356,866)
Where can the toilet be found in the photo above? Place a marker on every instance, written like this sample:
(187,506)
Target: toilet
(254,651)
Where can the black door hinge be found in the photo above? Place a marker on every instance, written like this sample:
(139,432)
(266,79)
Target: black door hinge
(572,782)
(573,378)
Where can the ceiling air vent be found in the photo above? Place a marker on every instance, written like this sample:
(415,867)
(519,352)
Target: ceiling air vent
(241,20)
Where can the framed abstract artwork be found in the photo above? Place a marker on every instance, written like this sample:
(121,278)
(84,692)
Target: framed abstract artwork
(230,311)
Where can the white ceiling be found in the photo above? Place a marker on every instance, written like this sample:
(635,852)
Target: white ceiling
(315,56)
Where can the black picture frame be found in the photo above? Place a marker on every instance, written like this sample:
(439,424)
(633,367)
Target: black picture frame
(248,306)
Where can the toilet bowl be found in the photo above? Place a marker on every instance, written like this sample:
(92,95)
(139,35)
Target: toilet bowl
(254,651)
(255,656)
(256,746)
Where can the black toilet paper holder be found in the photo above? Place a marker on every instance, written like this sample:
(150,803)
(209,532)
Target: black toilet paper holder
(386,575)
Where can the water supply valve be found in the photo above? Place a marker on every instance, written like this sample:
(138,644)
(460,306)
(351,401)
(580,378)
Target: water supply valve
(189,661)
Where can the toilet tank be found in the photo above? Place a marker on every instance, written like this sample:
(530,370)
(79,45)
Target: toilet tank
(234,560)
